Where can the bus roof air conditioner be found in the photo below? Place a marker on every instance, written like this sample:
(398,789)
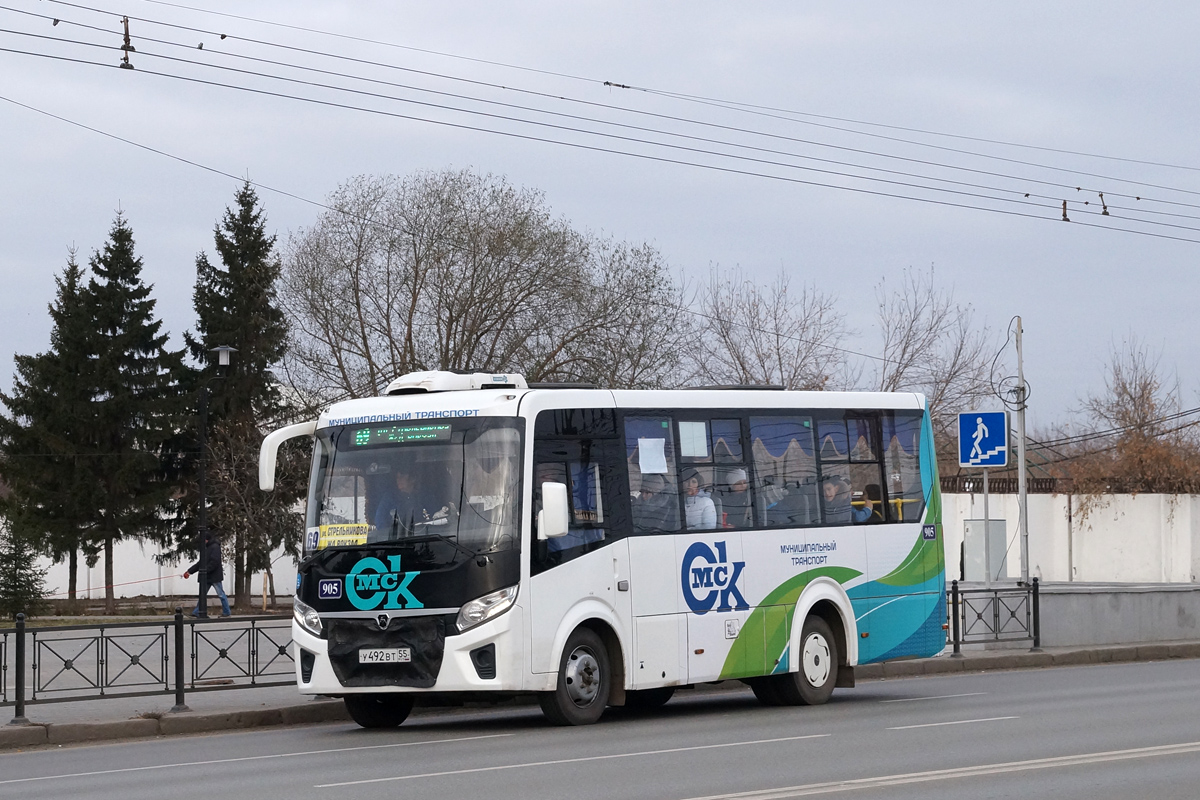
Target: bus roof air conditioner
(448,381)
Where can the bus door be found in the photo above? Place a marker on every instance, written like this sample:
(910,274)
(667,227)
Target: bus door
(590,563)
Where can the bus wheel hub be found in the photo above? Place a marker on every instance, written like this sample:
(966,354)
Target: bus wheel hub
(582,676)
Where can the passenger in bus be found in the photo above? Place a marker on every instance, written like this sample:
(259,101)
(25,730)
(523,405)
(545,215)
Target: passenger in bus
(873,502)
(735,500)
(835,493)
(653,508)
(699,510)
(838,508)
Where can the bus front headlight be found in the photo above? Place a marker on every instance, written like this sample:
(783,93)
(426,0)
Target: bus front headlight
(308,617)
(481,609)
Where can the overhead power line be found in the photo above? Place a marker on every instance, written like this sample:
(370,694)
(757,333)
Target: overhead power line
(612,107)
(692,151)
(661,92)
(1118,431)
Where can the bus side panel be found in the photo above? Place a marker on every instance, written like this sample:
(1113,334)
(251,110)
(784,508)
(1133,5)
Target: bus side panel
(592,577)
(907,603)
(660,655)
(713,585)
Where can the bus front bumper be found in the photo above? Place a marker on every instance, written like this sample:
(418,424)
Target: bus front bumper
(486,658)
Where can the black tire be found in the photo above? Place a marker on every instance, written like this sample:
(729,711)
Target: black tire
(815,676)
(647,699)
(766,689)
(584,682)
(379,710)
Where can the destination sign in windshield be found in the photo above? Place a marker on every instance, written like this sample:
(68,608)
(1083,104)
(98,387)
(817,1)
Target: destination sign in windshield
(401,434)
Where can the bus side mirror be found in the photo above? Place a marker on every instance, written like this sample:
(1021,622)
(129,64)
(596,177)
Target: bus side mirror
(554,517)
(268,453)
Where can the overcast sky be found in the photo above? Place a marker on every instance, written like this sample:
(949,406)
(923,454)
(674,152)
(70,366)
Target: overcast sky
(1100,78)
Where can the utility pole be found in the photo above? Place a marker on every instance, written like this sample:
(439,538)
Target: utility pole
(1022,505)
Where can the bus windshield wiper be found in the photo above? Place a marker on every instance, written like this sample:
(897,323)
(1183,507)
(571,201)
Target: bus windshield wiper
(427,537)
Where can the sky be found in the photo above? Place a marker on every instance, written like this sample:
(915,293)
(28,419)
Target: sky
(841,143)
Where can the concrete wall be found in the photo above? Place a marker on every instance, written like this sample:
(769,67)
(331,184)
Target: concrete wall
(136,573)
(1096,614)
(1148,538)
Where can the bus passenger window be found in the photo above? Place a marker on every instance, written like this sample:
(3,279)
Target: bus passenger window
(785,471)
(650,453)
(901,443)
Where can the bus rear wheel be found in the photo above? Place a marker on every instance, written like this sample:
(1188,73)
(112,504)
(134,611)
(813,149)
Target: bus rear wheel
(766,689)
(811,684)
(379,710)
(584,682)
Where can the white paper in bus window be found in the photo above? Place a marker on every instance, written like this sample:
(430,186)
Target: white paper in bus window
(693,439)
(652,459)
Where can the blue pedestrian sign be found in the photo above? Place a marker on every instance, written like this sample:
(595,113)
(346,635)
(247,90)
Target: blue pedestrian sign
(983,439)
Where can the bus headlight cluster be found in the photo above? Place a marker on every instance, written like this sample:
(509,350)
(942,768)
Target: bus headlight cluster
(481,609)
(308,617)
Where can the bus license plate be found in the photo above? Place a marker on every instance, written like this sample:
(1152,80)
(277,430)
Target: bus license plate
(385,655)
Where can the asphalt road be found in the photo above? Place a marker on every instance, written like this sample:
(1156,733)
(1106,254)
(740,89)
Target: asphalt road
(1108,731)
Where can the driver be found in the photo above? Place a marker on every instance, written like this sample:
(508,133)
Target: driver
(403,507)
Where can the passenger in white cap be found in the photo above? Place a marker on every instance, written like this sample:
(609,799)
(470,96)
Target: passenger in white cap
(734,495)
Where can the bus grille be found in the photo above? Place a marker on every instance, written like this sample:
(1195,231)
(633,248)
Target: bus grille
(425,636)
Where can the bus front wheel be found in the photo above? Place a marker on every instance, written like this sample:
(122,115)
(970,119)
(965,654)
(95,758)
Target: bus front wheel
(812,683)
(584,682)
(379,710)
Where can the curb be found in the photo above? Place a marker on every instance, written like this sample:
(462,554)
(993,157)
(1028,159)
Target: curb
(984,662)
(34,734)
(12,736)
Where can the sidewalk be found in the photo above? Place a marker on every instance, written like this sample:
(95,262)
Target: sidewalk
(232,709)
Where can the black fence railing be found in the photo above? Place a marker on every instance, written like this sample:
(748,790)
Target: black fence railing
(973,484)
(133,659)
(3,667)
(995,614)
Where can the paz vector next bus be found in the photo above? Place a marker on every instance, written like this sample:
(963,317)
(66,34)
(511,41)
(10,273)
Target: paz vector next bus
(469,535)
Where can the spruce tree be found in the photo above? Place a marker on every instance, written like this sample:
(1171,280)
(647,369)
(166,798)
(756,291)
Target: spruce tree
(42,442)
(136,403)
(22,581)
(236,306)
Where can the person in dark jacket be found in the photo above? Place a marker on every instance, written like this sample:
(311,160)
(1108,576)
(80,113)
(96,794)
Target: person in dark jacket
(216,573)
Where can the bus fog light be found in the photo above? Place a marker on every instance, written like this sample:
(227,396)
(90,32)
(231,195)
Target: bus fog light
(308,618)
(481,609)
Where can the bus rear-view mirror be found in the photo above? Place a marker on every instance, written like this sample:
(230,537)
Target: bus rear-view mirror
(554,516)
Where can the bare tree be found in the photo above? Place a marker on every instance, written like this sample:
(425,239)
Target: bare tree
(930,344)
(1138,437)
(770,334)
(455,270)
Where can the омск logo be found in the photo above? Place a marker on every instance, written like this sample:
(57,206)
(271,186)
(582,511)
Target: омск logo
(715,574)
(370,581)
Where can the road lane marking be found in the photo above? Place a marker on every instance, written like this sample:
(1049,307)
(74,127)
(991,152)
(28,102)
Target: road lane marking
(251,758)
(935,697)
(578,760)
(883,781)
(953,722)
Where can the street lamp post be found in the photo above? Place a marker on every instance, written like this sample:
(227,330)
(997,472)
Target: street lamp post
(223,353)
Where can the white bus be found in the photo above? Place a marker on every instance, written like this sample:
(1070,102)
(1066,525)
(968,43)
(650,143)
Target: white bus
(469,535)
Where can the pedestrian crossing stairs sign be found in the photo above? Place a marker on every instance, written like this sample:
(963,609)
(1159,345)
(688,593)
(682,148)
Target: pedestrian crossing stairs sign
(983,439)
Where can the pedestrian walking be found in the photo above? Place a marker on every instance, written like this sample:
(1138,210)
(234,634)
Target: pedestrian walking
(216,573)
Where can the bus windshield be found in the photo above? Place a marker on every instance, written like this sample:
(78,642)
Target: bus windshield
(454,481)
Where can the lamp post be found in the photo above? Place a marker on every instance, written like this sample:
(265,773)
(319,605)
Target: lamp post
(223,353)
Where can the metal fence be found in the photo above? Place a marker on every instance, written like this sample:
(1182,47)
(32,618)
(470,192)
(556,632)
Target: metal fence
(133,659)
(967,484)
(994,614)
